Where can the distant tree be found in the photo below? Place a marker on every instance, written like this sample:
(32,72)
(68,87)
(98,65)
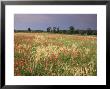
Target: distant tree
(54,29)
(29,29)
(71,29)
(48,29)
(79,31)
(89,31)
(76,31)
(64,31)
(51,30)
(94,32)
(57,29)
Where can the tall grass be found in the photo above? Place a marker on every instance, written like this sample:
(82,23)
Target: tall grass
(44,54)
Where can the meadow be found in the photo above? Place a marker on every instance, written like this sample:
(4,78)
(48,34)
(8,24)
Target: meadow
(47,54)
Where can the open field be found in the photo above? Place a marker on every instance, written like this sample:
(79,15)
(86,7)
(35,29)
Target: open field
(44,54)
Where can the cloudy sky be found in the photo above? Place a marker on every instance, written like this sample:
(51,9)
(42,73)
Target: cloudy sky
(63,21)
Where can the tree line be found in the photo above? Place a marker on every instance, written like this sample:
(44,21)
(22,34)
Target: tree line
(70,30)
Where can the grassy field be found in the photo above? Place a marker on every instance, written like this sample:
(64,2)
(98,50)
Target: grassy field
(44,54)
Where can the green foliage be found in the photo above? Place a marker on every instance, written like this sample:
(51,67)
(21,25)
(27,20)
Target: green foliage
(48,29)
(72,30)
(29,29)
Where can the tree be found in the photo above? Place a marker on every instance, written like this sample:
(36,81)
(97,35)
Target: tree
(77,31)
(29,29)
(71,29)
(48,29)
(89,31)
(57,29)
(64,31)
(54,29)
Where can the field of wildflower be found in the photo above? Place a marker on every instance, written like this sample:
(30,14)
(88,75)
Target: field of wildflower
(47,54)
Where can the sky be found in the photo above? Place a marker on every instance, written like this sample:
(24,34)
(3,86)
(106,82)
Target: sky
(63,21)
